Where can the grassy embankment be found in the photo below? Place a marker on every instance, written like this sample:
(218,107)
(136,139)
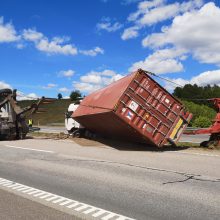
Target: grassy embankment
(54,114)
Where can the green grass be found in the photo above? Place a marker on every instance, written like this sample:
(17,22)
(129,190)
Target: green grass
(54,114)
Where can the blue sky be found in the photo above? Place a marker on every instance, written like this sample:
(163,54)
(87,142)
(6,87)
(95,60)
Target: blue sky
(56,46)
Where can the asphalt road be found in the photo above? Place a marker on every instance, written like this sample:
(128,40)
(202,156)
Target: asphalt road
(140,184)
(13,207)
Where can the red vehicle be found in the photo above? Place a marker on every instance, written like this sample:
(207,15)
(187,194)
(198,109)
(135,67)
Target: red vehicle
(214,130)
(134,108)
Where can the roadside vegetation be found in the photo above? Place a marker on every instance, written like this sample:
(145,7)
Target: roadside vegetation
(195,99)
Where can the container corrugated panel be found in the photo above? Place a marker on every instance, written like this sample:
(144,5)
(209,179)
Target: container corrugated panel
(136,108)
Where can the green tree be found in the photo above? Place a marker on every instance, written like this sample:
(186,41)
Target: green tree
(59,96)
(75,95)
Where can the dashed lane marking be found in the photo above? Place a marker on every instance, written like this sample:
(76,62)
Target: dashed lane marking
(31,149)
(85,210)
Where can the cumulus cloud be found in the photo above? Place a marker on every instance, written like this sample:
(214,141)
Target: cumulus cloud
(197,32)
(50,86)
(32,35)
(162,61)
(153,12)
(56,47)
(95,80)
(93,52)
(130,33)
(7,32)
(31,96)
(64,89)
(4,85)
(108,26)
(66,73)
(202,79)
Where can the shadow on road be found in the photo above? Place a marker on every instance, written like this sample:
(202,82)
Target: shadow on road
(130,146)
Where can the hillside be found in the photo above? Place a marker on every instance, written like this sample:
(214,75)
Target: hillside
(55,112)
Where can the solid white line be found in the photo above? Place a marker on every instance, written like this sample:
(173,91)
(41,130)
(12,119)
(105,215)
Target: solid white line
(198,154)
(31,149)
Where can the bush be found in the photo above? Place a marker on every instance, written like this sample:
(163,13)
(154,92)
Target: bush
(202,114)
(201,122)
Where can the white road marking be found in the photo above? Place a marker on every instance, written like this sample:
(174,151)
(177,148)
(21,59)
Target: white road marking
(73,205)
(92,209)
(193,153)
(86,210)
(81,208)
(31,149)
(100,212)
(109,216)
(66,202)
(59,200)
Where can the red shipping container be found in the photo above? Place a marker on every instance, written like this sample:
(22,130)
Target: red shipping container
(134,108)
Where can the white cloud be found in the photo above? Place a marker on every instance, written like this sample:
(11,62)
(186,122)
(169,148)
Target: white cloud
(197,32)
(7,32)
(92,52)
(30,96)
(86,87)
(153,12)
(91,78)
(66,73)
(108,26)
(208,77)
(202,79)
(56,47)
(4,85)
(50,86)
(162,61)
(64,89)
(130,33)
(95,80)
(32,35)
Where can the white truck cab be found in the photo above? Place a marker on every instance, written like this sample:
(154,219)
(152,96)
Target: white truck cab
(70,124)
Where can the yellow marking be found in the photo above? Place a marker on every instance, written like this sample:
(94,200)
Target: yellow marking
(175,130)
(116,106)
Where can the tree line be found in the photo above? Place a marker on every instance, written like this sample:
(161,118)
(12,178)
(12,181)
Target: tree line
(195,100)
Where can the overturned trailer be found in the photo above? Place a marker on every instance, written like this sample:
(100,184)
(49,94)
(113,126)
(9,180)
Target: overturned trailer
(134,108)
